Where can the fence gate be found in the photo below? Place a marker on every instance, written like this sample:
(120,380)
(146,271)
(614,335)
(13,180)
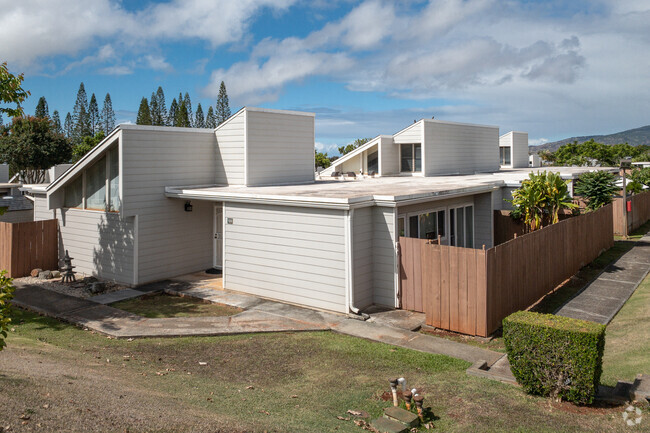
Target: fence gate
(410,274)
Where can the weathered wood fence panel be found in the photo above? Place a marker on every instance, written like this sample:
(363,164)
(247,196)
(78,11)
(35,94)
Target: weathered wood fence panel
(29,245)
(639,215)
(470,291)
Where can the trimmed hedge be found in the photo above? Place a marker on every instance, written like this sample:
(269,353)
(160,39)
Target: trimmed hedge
(555,356)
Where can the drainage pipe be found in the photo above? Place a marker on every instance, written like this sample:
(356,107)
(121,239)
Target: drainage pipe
(350,219)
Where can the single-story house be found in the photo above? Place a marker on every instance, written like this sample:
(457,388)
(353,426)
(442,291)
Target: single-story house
(150,203)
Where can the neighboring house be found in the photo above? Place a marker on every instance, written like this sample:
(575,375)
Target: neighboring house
(18,208)
(513,150)
(149,203)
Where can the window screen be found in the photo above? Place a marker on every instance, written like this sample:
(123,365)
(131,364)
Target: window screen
(73,193)
(114,179)
(96,185)
(407,157)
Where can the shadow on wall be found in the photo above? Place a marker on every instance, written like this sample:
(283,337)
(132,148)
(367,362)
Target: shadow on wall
(113,252)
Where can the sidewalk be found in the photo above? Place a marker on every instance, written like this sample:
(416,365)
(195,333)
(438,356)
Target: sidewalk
(605,296)
(260,315)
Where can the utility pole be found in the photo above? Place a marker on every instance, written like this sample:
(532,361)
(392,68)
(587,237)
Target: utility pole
(624,165)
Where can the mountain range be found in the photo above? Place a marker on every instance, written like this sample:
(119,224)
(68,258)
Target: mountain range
(635,137)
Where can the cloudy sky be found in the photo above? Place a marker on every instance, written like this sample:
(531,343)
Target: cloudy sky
(552,68)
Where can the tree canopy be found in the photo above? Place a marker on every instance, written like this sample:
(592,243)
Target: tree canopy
(597,188)
(30,145)
(350,147)
(591,152)
(144,115)
(321,160)
(11,92)
(223,106)
(41,108)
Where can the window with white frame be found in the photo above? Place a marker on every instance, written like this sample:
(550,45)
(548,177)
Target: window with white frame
(411,158)
(97,187)
(423,225)
(504,155)
(461,226)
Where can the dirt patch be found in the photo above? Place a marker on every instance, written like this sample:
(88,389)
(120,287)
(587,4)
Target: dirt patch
(79,289)
(161,305)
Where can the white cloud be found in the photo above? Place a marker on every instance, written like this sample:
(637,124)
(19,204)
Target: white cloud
(33,29)
(116,70)
(537,141)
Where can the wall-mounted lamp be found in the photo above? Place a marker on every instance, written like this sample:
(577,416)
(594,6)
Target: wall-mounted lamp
(188,206)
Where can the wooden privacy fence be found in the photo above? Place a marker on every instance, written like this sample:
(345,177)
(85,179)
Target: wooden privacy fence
(638,216)
(471,291)
(29,245)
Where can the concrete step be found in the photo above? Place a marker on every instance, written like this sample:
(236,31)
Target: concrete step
(386,425)
(403,416)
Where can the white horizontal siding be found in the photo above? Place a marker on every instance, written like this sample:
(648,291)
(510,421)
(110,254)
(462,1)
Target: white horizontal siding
(101,244)
(286,253)
(362,254)
(230,149)
(41,212)
(459,148)
(411,134)
(383,249)
(519,149)
(171,241)
(389,154)
(280,148)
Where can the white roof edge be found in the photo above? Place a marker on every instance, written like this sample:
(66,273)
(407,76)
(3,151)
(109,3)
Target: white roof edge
(278,111)
(356,151)
(85,160)
(131,126)
(512,132)
(449,122)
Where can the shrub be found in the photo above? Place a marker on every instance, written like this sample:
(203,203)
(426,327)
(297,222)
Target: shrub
(6,293)
(555,356)
(597,188)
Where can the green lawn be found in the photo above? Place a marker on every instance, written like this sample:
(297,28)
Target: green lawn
(163,305)
(265,382)
(627,342)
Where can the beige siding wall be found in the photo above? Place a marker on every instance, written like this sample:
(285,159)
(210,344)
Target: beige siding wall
(411,134)
(230,151)
(354,164)
(170,240)
(101,244)
(362,254)
(519,149)
(280,148)
(483,223)
(384,256)
(17,216)
(459,148)
(41,212)
(389,155)
(286,253)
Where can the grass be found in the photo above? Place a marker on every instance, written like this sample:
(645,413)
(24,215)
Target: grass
(263,382)
(627,342)
(164,305)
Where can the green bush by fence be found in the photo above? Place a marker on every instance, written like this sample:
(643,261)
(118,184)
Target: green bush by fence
(6,293)
(555,356)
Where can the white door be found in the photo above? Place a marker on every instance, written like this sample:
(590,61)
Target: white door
(218,236)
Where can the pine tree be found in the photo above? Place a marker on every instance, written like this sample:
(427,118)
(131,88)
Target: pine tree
(144,115)
(80,115)
(173,108)
(154,112)
(182,116)
(210,120)
(188,106)
(199,121)
(41,108)
(161,115)
(68,126)
(56,121)
(93,115)
(107,116)
(223,107)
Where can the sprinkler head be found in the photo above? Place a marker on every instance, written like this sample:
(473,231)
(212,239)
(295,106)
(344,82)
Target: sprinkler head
(393,384)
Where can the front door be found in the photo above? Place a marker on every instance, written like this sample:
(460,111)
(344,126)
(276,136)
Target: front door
(218,236)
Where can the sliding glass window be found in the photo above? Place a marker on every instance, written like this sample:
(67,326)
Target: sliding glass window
(411,157)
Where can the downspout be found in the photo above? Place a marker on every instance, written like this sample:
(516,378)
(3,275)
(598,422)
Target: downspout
(350,278)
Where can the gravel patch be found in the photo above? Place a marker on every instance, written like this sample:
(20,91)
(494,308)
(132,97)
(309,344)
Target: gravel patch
(80,289)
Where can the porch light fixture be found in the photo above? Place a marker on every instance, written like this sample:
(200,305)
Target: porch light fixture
(188,206)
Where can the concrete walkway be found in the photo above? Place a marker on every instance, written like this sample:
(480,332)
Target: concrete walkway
(260,315)
(605,296)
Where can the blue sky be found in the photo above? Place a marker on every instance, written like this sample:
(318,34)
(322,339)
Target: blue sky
(552,68)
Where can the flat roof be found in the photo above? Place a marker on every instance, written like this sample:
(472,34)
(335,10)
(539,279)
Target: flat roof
(387,191)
